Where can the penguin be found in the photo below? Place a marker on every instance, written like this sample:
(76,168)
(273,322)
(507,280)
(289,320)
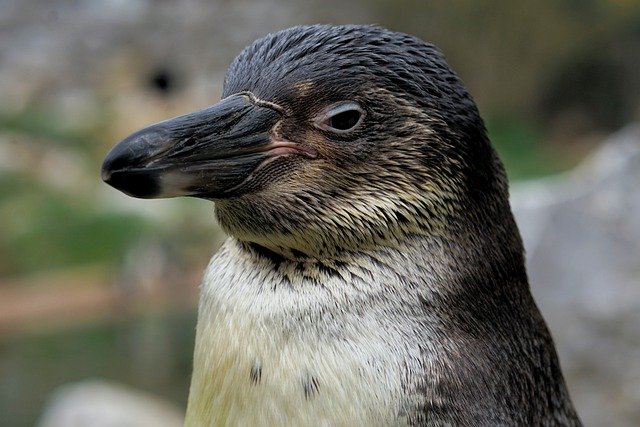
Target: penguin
(373,273)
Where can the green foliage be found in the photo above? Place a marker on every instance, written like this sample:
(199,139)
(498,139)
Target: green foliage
(47,124)
(45,229)
(522,150)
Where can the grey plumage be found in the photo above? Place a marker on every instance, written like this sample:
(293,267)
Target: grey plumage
(372,242)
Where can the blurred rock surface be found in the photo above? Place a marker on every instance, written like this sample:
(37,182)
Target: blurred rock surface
(99,403)
(582,236)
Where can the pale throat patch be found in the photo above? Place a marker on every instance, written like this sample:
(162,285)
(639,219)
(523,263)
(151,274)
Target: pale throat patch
(267,353)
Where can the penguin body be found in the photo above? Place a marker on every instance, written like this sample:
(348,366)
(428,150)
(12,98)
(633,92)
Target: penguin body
(374,274)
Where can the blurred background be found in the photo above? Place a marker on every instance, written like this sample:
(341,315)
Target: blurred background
(98,291)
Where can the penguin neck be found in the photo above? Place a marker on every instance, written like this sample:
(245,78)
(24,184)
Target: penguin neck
(440,263)
(467,249)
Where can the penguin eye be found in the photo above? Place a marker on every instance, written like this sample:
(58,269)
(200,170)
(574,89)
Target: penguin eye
(341,118)
(345,121)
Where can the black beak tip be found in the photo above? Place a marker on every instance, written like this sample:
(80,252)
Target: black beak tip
(106,170)
(143,185)
(126,154)
(131,181)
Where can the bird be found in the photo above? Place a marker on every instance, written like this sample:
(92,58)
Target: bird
(373,272)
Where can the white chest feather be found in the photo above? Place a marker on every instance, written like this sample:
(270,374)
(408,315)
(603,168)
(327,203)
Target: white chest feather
(270,352)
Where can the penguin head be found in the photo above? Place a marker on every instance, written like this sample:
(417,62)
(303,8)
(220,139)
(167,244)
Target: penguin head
(327,138)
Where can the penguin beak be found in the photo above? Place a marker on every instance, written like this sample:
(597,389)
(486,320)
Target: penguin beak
(210,153)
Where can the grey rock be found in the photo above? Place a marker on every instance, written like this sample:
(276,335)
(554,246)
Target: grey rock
(582,236)
(98,403)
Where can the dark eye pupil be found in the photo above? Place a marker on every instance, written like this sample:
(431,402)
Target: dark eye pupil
(345,120)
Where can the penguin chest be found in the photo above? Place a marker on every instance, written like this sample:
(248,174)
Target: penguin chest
(259,362)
